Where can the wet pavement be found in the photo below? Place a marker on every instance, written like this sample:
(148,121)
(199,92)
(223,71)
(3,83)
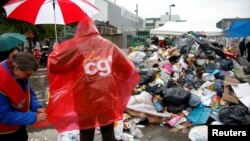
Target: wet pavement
(150,132)
(160,133)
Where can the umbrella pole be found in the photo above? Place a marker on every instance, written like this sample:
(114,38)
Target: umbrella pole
(54,7)
(55,33)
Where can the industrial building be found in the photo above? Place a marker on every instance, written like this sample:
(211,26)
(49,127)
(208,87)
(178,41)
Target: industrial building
(118,16)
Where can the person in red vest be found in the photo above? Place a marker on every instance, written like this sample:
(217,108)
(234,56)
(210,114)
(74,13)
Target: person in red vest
(19,106)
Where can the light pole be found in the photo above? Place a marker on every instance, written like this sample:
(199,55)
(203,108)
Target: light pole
(136,11)
(172,5)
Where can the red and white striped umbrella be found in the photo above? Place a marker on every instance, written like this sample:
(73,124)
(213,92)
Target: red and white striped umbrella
(50,11)
(42,11)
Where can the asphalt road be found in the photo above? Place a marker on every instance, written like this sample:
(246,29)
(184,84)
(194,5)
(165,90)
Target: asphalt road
(150,133)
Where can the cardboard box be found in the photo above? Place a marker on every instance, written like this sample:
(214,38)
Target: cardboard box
(228,94)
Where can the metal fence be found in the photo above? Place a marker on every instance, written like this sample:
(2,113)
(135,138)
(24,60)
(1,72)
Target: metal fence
(123,40)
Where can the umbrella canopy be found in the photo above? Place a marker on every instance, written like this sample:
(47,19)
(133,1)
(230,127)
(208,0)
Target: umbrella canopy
(50,11)
(11,40)
(42,11)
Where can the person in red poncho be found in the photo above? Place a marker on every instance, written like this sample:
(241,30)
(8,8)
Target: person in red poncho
(90,81)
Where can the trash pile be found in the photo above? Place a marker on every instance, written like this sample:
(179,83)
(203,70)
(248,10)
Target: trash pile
(194,83)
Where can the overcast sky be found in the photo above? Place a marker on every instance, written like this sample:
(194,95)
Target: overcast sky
(204,11)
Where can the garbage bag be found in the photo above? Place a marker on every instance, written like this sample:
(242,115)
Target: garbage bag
(176,95)
(73,135)
(137,55)
(90,81)
(156,89)
(184,44)
(210,68)
(203,42)
(194,100)
(247,70)
(175,99)
(190,79)
(207,45)
(226,64)
(198,133)
(147,76)
(219,87)
(235,115)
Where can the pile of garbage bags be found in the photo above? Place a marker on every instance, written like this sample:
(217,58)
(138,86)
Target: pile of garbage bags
(194,82)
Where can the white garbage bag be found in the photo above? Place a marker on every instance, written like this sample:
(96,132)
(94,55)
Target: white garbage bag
(69,136)
(137,56)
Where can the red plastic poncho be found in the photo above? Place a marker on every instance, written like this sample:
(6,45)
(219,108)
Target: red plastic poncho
(90,81)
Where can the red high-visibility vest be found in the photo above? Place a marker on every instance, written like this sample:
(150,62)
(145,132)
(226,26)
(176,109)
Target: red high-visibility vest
(19,99)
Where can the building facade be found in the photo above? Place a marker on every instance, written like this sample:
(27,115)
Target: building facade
(117,16)
(151,23)
(225,23)
(105,28)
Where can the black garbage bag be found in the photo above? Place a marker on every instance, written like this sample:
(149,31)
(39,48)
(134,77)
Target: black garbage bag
(147,76)
(184,43)
(199,82)
(156,89)
(235,115)
(247,70)
(207,45)
(175,99)
(175,108)
(203,42)
(170,83)
(218,51)
(216,44)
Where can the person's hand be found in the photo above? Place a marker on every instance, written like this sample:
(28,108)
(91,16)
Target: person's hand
(40,110)
(41,117)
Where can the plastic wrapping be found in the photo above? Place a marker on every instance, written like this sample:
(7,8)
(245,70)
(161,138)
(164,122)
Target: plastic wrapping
(90,81)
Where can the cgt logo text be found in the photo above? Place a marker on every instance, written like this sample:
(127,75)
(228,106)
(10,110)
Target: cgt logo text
(230,133)
(98,68)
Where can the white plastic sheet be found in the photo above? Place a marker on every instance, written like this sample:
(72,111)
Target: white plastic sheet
(142,103)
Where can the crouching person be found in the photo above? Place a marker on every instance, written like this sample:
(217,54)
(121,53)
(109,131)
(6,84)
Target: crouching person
(19,106)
